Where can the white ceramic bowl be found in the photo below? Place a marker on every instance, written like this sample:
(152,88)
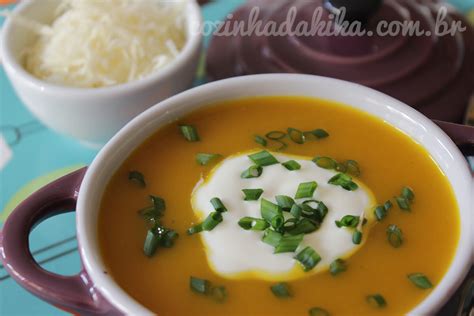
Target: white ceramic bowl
(94,280)
(93,115)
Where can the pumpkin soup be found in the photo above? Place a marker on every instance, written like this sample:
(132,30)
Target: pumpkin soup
(278,206)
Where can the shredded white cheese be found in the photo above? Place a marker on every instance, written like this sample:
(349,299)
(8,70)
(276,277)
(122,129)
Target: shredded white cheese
(96,43)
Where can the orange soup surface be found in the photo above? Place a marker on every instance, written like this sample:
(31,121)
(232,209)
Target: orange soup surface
(388,160)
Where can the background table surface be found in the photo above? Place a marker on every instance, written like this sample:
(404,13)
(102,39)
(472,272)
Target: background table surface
(31,156)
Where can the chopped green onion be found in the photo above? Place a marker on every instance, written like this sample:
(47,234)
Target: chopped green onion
(269,210)
(289,243)
(152,242)
(380,212)
(325,162)
(204,159)
(137,177)
(219,294)
(154,212)
(352,167)
(285,202)
(403,203)
(306,190)
(263,159)
(189,132)
(341,167)
(252,223)
(296,211)
(356,237)
(252,172)
(348,221)
(194,229)
(277,222)
(296,135)
(252,194)
(304,226)
(388,205)
(408,194)
(260,140)
(420,280)
(291,165)
(275,135)
(308,258)
(271,237)
(318,213)
(212,221)
(345,181)
(394,236)
(317,311)
(376,300)
(169,238)
(218,205)
(281,290)
(200,286)
(318,133)
(337,266)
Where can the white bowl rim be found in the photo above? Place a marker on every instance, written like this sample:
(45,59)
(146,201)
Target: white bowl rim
(119,298)
(193,19)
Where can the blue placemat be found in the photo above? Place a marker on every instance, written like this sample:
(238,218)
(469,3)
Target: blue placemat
(32,156)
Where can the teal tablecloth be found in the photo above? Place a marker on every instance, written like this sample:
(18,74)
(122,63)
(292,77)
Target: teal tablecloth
(33,157)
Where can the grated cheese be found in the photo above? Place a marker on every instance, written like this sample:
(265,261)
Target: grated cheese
(96,43)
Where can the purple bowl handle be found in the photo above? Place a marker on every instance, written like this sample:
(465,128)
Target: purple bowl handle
(71,293)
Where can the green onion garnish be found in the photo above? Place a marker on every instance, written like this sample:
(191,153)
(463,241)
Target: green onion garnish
(318,311)
(200,286)
(285,202)
(219,294)
(291,165)
(325,162)
(308,258)
(204,159)
(263,159)
(218,205)
(271,237)
(155,211)
(380,212)
(212,221)
(252,194)
(403,203)
(169,238)
(337,266)
(306,190)
(352,167)
(408,194)
(420,280)
(318,133)
(194,229)
(137,177)
(289,243)
(345,181)
(269,210)
(252,223)
(277,222)
(296,135)
(387,205)
(296,211)
(152,242)
(252,172)
(356,237)
(260,140)
(394,236)
(304,226)
(348,221)
(281,290)
(277,136)
(376,300)
(189,132)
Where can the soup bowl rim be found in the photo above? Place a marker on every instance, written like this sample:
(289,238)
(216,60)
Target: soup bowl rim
(135,133)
